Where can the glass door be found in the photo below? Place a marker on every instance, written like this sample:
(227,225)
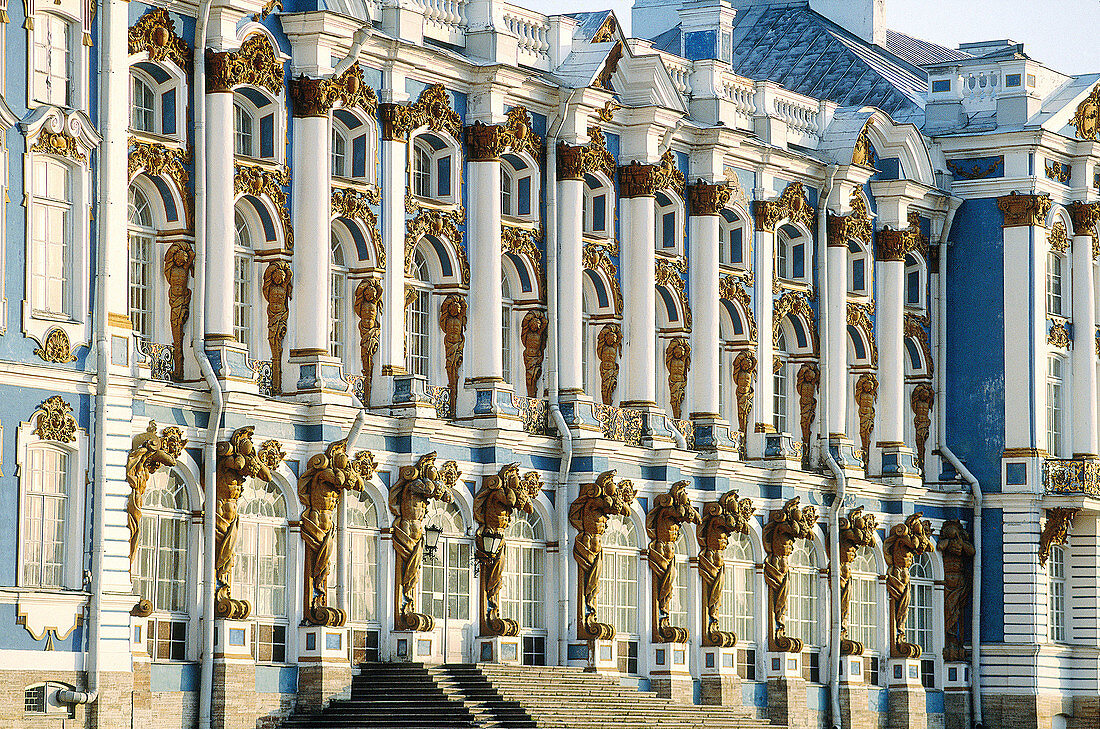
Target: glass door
(445,595)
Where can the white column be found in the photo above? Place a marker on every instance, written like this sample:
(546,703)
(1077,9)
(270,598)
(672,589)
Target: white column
(763,404)
(1084,347)
(392,336)
(570,284)
(836,323)
(891,365)
(310,185)
(220,228)
(703,282)
(638,383)
(485,358)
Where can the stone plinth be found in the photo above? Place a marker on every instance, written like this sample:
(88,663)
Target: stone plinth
(669,676)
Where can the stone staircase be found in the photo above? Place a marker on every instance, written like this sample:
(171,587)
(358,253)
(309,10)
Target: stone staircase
(489,696)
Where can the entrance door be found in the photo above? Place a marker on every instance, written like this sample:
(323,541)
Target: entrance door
(446,590)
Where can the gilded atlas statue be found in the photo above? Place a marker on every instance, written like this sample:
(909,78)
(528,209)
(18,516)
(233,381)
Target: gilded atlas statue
(499,498)
(958,555)
(855,531)
(781,531)
(326,477)
(906,540)
(720,519)
(148,452)
(416,486)
(238,460)
(588,514)
(662,526)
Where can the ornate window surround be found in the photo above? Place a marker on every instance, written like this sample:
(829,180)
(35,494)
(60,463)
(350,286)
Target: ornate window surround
(447,147)
(71,139)
(78,15)
(177,80)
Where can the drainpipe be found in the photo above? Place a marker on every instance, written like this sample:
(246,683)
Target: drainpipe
(198,344)
(830,462)
(357,42)
(961,469)
(561,501)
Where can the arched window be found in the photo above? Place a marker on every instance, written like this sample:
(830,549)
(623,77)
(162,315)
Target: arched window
(353,140)
(782,385)
(618,600)
(598,206)
(143,106)
(338,300)
(919,625)
(858,269)
(914,281)
(260,573)
(339,153)
(517,187)
(863,620)
(162,565)
(418,319)
(433,168)
(803,620)
(51,233)
(1056,406)
(792,254)
(731,234)
(154,90)
(1056,591)
(523,594)
(142,265)
(45,515)
(52,60)
(363,536)
(506,331)
(244,138)
(738,610)
(243,283)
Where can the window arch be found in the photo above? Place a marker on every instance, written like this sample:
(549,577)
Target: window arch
(161,565)
(919,623)
(435,168)
(803,619)
(738,610)
(735,248)
(619,585)
(793,254)
(260,573)
(524,590)
(257,125)
(1057,419)
(1056,594)
(363,539)
(599,205)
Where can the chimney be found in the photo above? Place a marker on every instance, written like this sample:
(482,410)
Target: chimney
(863,18)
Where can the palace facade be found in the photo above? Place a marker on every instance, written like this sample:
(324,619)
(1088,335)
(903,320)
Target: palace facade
(746,360)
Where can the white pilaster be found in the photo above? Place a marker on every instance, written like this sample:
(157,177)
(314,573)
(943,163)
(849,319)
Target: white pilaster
(1025,339)
(763,405)
(486,360)
(569,283)
(836,323)
(220,228)
(392,336)
(310,185)
(891,367)
(638,383)
(1084,349)
(703,283)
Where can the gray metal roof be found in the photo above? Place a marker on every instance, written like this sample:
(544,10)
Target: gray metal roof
(919,52)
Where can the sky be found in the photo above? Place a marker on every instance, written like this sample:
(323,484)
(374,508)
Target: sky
(1061,34)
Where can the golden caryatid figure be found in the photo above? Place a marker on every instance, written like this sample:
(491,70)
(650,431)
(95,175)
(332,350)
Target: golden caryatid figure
(500,496)
(958,574)
(327,475)
(588,514)
(781,531)
(906,540)
(237,461)
(662,526)
(720,519)
(855,531)
(415,488)
(148,452)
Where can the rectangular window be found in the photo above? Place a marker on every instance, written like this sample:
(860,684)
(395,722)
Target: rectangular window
(859,282)
(534,650)
(1055,406)
(141,285)
(359,156)
(919,624)
(1056,581)
(873,670)
(142,106)
(798,261)
(523,195)
(802,621)
(364,568)
(668,230)
(337,314)
(506,342)
(1012,80)
(270,571)
(52,60)
(269,643)
(737,255)
(242,131)
(940,86)
(599,213)
(364,646)
(443,176)
(168,111)
(45,513)
(242,300)
(167,640)
(628,657)
(1054,284)
(50,221)
(417,335)
(779,400)
(171,555)
(267,136)
(912,287)
(746,664)
(928,673)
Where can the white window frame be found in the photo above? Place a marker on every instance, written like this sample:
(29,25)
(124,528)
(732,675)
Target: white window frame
(177,81)
(1057,595)
(39,36)
(525,547)
(726,228)
(507,338)
(72,12)
(363,531)
(275,107)
(860,255)
(864,606)
(249,590)
(509,171)
(665,203)
(621,570)
(421,307)
(419,144)
(1058,300)
(367,127)
(143,234)
(784,256)
(252,335)
(1057,402)
(76,453)
(804,618)
(920,265)
(922,584)
(596,184)
(739,590)
(339,336)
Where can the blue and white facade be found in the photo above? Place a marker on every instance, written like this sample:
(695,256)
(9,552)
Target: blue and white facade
(768,247)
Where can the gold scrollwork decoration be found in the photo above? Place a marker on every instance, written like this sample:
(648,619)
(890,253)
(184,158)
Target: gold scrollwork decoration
(155,33)
(255,63)
(859,316)
(1024,210)
(158,160)
(670,274)
(54,420)
(792,205)
(60,143)
(523,242)
(856,225)
(707,199)
(1058,336)
(56,348)
(976,171)
(1058,171)
(575,160)
(730,288)
(255,180)
(488,141)
(915,327)
(1058,238)
(797,303)
(441,224)
(1055,531)
(432,109)
(1086,119)
(317,96)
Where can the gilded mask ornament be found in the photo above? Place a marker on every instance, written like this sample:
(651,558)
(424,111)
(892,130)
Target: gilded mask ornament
(327,475)
(906,540)
(237,460)
(432,109)
(155,33)
(415,488)
(575,161)
(317,96)
(441,224)
(1055,531)
(792,205)
(54,421)
(797,303)
(60,143)
(856,225)
(663,523)
(588,514)
(707,199)
(784,527)
(500,497)
(720,519)
(1086,120)
(957,550)
(56,348)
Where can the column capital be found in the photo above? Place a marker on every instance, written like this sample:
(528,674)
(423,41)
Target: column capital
(1024,210)
(705,198)
(575,160)
(892,245)
(317,96)
(792,205)
(1085,216)
(486,142)
(855,225)
(432,109)
(644,180)
(253,63)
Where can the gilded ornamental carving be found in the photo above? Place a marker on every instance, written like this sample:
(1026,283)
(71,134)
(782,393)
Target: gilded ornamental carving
(866,395)
(155,33)
(254,63)
(255,180)
(523,242)
(1085,217)
(431,109)
(609,345)
(415,488)
(148,452)
(806,384)
(367,306)
(575,160)
(916,328)
(1058,336)
(59,143)
(500,496)
(441,224)
(792,205)
(1055,531)
(856,530)
(1024,210)
(921,400)
(906,540)
(596,257)
(744,374)
(327,475)
(677,363)
(56,347)
(277,288)
(893,245)
(588,514)
(669,272)
(957,549)
(859,316)
(856,225)
(452,320)
(237,460)
(784,527)
(356,204)
(720,519)
(179,264)
(486,142)
(793,302)
(663,524)
(533,331)
(707,199)
(731,288)
(317,96)
(863,153)
(644,180)
(1086,119)
(54,420)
